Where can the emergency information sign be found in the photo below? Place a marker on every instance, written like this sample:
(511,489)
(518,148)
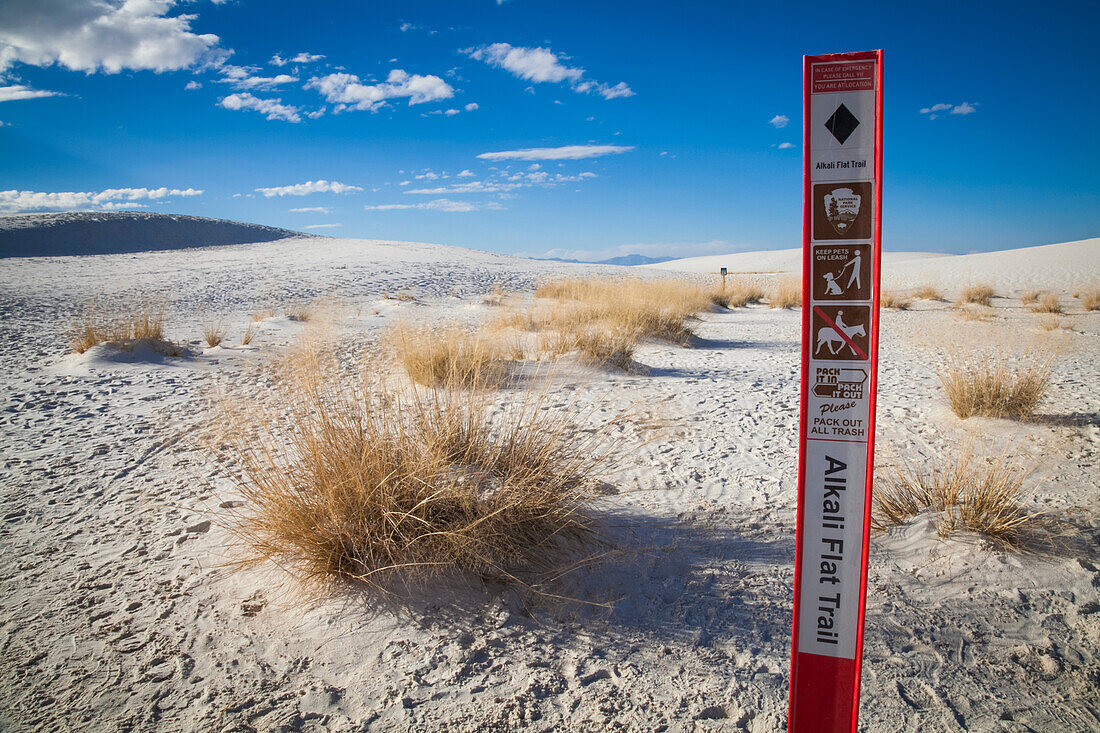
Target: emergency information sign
(841,245)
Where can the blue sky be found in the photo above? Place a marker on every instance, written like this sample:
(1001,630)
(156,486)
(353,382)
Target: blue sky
(545,126)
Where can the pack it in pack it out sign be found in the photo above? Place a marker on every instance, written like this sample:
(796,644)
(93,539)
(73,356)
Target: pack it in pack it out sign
(839,383)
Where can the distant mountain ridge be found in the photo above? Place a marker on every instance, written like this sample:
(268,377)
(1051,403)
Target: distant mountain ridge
(627,260)
(99,232)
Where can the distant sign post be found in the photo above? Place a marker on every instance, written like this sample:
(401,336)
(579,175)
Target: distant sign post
(723,279)
(841,247)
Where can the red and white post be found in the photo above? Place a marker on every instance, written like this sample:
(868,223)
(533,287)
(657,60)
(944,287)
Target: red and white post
(841,246)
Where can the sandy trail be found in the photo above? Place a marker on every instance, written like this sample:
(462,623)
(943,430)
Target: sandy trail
(119,610)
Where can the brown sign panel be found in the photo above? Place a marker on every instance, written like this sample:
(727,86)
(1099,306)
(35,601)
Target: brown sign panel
(842,210)
(840,332)
(842,272)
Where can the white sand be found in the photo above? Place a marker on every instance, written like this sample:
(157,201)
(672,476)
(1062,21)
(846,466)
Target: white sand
(1064,267)
(118,609)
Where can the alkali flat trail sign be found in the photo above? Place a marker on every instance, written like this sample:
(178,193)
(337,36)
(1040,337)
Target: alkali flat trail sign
(841,246)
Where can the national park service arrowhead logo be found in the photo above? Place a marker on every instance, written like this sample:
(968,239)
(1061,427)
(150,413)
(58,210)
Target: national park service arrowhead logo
(842,208)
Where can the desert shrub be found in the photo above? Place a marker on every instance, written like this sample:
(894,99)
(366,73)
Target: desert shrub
(1056,323)
(448,355)
(786,293)
(993,383)
(299,312)
(978,294)
(647,308)
(895,300)
(964,313)
(927,292)
(497,296)
(213,333)
(739,293)
(1048,304)
(122,325)
(595,345)
(343,480)
(1031,296)
(983,496)
(1089,297)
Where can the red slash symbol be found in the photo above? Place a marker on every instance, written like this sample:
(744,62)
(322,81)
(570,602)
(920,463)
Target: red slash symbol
(840,333)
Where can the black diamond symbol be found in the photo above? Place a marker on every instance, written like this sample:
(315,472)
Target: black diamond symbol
(842,124)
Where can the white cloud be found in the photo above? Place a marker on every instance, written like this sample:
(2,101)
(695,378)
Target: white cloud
(18,91)
(302,58)
(301,189)
(567,152)
(243,77)
(193,85)
(471,107)
(965,108)
(466,173)
(312,210)
(322,226)
(16,201)
(531,64)
(346,90)
(438,205)
(542,65)
(779,121)
(273,109)
(451,112)
(505,182)
(94,35)
(119,206)
(471,187)
(786,146)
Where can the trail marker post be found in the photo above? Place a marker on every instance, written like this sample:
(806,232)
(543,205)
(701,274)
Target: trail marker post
(841,247)
(723,279)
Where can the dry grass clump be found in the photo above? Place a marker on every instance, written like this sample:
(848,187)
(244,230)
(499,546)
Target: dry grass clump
(249,334)
(1048,304)
(646,308)
(449,355)
(214,333)
(895,300)
(978,294)
(400,297)
(1089,297)
(995,384)
(122,326)
(596,346)
(928,292)
(1055,323)
(1031,296)
(786,293)
(739,293)
(966,494)
(262,314)
(964,313)
(347,481)
(300,312)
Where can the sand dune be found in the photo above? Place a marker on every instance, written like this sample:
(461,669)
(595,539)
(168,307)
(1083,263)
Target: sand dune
(96,233)
(764,261)
(120,607)
(1063,266)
